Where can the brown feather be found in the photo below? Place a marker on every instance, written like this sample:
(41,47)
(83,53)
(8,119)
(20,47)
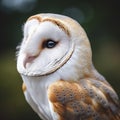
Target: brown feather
(88,99)
(24,87)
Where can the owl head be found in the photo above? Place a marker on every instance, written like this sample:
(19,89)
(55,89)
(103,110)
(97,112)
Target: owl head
(54,44)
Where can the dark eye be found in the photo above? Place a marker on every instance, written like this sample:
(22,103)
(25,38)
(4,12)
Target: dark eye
(49,44)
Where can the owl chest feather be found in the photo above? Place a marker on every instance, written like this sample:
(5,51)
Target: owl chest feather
(37,88)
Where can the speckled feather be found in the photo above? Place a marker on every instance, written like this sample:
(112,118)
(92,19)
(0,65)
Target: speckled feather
(87,99)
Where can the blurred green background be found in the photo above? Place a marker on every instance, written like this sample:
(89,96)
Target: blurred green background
(101,21)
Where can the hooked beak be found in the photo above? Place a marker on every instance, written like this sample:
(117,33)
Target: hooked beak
(28,59)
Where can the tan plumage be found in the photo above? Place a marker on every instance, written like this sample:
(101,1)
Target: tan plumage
(60,81)
(87,99)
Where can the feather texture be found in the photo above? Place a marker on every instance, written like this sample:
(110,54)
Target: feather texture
(88,99)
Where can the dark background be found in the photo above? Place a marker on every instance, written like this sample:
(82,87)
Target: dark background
(101,21)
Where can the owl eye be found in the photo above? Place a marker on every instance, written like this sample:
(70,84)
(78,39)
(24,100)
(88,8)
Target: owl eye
(49,43)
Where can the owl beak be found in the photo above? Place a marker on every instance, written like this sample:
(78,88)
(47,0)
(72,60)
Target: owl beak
(28,59)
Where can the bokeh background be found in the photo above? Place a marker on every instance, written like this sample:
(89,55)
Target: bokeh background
(101,21)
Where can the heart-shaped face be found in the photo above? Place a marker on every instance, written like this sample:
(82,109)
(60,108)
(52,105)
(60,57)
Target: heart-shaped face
(46,46)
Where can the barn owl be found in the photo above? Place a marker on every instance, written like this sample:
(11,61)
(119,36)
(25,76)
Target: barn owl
(60,81)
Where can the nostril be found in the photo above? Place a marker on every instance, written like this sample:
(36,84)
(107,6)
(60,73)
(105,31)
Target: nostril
(28,59)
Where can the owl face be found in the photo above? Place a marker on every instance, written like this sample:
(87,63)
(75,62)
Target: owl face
(51,42)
